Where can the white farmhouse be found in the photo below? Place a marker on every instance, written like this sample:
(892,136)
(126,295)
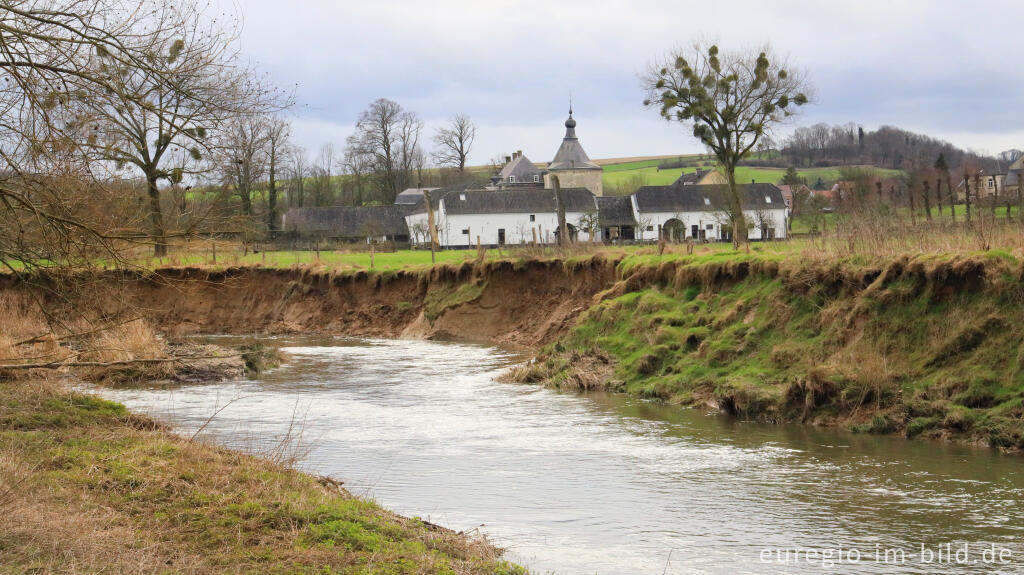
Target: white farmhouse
(502,217)
(698,212)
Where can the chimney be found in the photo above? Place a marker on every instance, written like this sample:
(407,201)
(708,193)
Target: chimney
(508,159)
(519,153)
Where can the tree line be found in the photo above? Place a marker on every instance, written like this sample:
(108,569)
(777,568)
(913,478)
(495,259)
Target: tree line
(887,147)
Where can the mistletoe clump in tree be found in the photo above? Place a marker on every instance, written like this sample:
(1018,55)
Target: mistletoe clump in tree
(732,101)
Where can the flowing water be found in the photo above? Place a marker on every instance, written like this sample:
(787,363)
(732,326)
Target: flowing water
(606,484)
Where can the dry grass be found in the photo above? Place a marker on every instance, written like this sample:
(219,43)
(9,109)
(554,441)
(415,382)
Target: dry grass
(86,487)
(27,338)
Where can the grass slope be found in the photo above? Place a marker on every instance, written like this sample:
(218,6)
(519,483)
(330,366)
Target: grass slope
(85,486)
(924,346)
(626,177)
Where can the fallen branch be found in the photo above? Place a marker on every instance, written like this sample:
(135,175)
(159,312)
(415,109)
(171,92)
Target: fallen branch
(58,364)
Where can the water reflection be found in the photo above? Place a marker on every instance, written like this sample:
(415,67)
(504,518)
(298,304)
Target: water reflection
(603,483)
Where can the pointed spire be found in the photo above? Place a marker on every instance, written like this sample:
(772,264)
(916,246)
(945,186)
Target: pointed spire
(570,124)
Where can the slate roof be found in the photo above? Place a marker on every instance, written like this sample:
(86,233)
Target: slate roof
(615,211)
(691,178)
(522,168)
(516,201)
(348,221)
(410,196)
(570,155)
(1012,178)
(435,198)
(706,197)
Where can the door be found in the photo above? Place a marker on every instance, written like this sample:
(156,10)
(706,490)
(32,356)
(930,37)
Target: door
(501,236)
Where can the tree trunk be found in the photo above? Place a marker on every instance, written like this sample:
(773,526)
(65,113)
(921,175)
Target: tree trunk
(739,223)
(952,197)
(938,194)
(913,208)
(156,218)
(434,243)
(563,229)
(967,198)
(272,199)
(927,199)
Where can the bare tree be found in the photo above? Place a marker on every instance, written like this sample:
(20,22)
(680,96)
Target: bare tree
(244,158)
(324,184)
(357,164)
(389,136)
(278,133)
(169,112)
(731,100)
(454,141)
(298,171)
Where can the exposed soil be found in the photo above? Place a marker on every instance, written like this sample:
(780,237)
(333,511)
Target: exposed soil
(522,305)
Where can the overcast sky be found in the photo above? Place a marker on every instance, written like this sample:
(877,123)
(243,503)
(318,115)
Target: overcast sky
(949,69)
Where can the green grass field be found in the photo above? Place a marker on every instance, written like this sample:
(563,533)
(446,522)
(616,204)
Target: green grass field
(625,178)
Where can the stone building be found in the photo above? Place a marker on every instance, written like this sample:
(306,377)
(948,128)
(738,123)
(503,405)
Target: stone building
(572,166)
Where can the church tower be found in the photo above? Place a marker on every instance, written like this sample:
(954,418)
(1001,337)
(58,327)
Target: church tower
(571,164)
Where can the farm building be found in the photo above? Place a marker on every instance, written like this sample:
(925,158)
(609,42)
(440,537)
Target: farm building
(500,217)
(616,219)
(698,211)
(349,224)
(411,196)
(572,166)
(701,177)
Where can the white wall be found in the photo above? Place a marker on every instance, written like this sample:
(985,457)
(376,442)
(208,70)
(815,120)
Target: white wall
(717,220)
(518,228)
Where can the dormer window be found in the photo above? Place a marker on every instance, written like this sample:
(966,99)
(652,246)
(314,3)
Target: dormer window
(462,197)
(707,201)
(511,179)
(536,178)
(767,199)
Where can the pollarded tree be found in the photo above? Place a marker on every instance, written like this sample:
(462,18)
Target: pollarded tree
(731,100)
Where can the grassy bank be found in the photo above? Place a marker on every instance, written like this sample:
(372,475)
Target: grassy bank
(926,345)
(86,486)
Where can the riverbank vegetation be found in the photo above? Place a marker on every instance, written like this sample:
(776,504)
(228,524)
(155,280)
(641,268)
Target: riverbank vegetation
(923,345)
(87,486)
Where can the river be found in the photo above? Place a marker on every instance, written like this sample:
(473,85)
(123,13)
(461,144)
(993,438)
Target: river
(607,484)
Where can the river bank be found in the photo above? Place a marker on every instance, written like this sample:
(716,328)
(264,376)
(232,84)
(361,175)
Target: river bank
(87,486)
(925,345)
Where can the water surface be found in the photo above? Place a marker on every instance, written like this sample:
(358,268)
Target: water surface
(606,484)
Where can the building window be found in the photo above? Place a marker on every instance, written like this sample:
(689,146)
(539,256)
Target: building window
(650,228)
(710,226)
(767,199)
(533,218)
(707,202)
(465,232)
(990,182)
(462,197)
(536,178)
(511,179)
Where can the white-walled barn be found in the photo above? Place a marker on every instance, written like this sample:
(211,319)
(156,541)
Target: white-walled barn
(699,211)
(501,217)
